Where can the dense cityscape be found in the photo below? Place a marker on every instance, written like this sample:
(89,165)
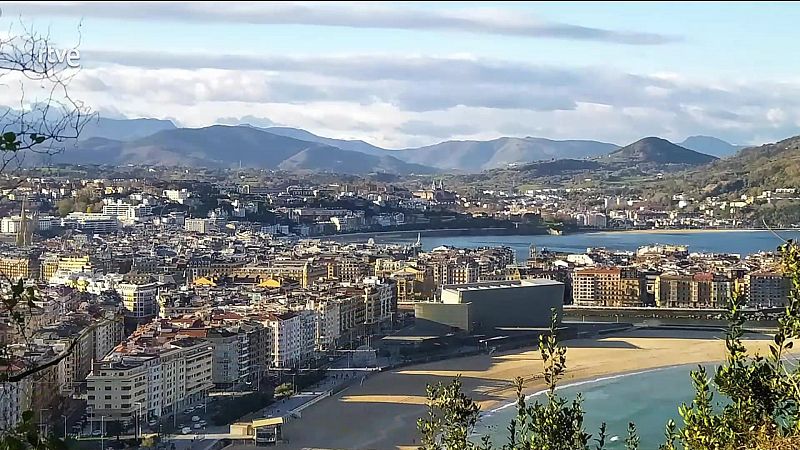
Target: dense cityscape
(431,226)
(159,310)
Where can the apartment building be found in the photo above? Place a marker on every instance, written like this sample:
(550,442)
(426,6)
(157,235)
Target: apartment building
(766,289)
(90,222)
(125,211)
(608,286)
(328,329)
(293,338)
(199,225)
(15,267)
(150,380)
(139,297)
(380,302)
(455,272)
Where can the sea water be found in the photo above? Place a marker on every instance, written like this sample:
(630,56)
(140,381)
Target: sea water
(648,398)
(738,242)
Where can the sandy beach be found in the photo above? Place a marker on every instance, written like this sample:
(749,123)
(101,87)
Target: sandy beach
(382,413)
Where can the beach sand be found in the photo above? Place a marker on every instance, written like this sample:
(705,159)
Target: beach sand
(382,413)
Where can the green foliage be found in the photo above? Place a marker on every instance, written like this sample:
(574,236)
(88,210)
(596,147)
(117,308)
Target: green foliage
(13,142)
(284,390)
(632,441)
(556,424)
(26,436)
(452,416)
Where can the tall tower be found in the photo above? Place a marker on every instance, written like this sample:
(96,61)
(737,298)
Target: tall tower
(24,232)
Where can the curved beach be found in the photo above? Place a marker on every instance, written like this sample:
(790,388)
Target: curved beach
(382,413)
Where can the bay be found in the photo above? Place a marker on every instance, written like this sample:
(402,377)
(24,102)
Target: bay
(648,398)
(742,242)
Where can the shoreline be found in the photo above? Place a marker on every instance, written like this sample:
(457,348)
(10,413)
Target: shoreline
(691,230)
(456,232)
(382,412)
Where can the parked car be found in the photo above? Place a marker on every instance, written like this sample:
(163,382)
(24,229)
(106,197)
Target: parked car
(96,433)
(195,418)
(186,430)
(197,426)
(203,423)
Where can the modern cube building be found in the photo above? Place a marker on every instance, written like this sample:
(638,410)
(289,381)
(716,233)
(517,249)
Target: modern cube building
(486,306)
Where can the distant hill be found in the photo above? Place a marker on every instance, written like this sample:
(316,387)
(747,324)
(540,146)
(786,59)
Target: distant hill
(322,158)
(228,146)
(558,167)
(474,156)
(124,129)
(765,167)
(351,145)
(658,151)
(710,146)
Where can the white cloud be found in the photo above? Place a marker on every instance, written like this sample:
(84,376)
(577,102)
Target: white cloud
(399,101)
(351,15)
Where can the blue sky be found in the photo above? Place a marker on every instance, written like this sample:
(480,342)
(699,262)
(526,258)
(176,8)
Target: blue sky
(400,74)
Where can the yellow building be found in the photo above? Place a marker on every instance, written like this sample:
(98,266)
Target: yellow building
(607,286)
(701,290)
(22,266)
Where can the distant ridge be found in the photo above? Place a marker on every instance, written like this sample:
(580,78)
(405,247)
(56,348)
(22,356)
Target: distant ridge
(227,146)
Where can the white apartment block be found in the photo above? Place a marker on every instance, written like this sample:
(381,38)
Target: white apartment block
(90,222)
(126,212)
(293,338)
(123,386)
(201,226)
(140,299)
(328,324)
(178,196)
(378,300)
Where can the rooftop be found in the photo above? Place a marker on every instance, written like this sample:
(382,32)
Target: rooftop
(486,285)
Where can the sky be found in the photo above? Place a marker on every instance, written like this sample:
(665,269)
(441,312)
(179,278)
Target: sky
(410,74)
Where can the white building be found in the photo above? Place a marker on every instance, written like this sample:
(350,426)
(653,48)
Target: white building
(150,382)
(90,222)
(293,338)
(328,322)
(201,226)
(126,212)
(596,220)
(378,300)
(140,299)
(178,196)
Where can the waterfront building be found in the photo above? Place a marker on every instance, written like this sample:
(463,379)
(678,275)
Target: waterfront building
(608,286)
(486,306)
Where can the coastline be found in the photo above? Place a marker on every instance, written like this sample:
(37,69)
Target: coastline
(382,412)
(456,232)
(690,230)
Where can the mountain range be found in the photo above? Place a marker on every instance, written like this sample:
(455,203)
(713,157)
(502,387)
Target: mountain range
(230,146)
(475,156)
(153,141)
